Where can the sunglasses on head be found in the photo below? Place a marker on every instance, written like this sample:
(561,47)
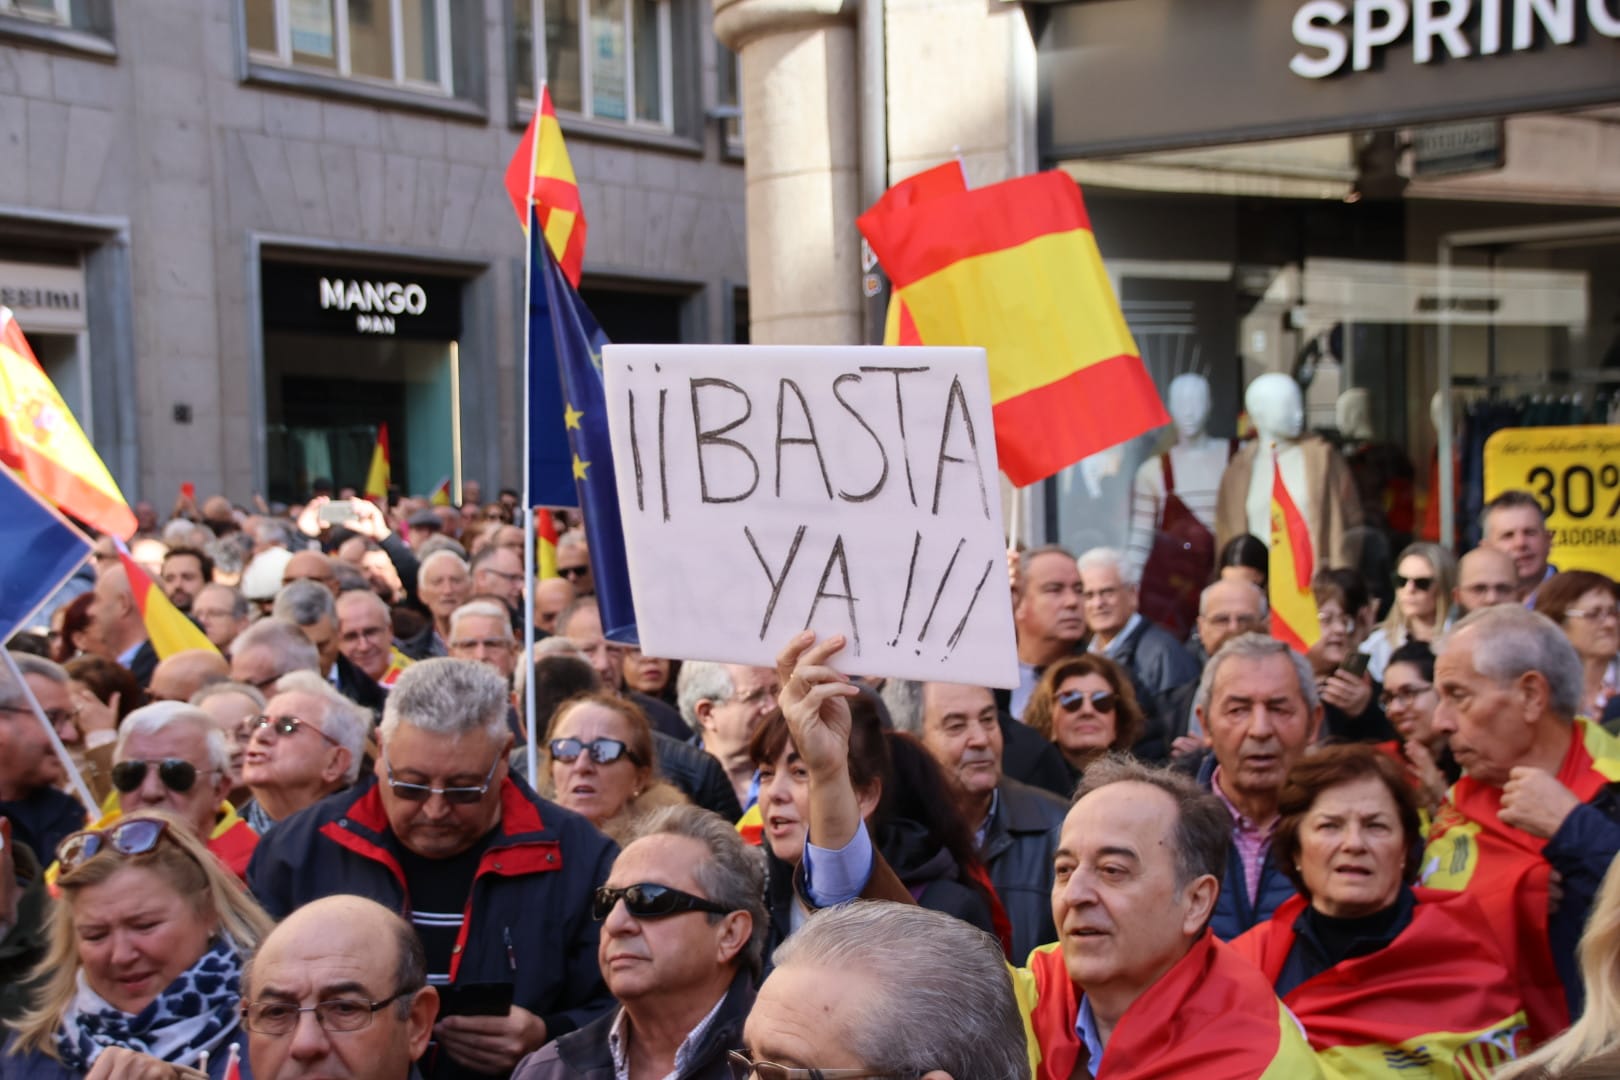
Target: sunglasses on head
(1421,584)
(1101,700)
(649,901)
(602,751)
(177,774)
(137,836)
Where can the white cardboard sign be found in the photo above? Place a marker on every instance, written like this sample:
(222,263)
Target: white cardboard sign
(850,489)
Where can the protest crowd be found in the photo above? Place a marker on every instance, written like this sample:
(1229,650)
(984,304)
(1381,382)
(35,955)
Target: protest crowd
(318,851)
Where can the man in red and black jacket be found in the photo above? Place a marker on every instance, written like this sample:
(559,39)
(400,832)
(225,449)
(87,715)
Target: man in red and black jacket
(496,880)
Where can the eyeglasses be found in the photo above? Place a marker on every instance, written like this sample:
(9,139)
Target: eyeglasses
(602,751)
(1487,588)
(1101,700)
(493,644)
(649,901)
(137,836)
(1421,584)
(1597,614)
(457,796)
(1336,622)
(1405,696)
(1108,593)
(1242,621)
(177,774)
(57,717)
(758,696)
(338,1014)
(573,571)
(742,1068)
(282,725)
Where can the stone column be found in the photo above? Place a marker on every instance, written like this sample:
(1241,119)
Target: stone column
(800,130)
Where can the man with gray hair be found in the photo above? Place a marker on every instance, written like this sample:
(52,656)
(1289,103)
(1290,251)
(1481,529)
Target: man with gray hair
(723,704)
(683,933)
(29,768)
(481,630)
(269,649)
(885,989)
(1225,610)
(496,880)
(310,605)
(223,613)
(307,744)
(1156,662)
(1538,797)
(1258,706)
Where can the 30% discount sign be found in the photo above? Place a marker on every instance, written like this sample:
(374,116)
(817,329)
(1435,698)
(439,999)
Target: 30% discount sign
(1574,473)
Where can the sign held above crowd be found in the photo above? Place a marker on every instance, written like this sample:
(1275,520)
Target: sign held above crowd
(852,490)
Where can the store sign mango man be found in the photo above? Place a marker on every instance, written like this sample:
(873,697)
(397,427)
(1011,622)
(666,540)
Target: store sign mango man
(852,490)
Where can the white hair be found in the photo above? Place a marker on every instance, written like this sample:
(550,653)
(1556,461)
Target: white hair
(445,696)
(701,680)
(1106,558)
(1510,641)
(435,556)
(291,650)
(153,718)
(487,609)
(1260,594)
(341,718)
(304,602)
(1253,646)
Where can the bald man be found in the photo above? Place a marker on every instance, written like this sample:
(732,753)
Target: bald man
(117,629)
(1485,577)
(183,674)
(551,595)
(339,948)
(311,566)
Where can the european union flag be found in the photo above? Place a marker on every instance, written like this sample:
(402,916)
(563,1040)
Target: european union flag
(41,551)
(551,472)
(577,343)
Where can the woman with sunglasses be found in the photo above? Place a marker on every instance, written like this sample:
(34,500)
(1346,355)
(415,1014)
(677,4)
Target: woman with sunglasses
(142,979)
(1425,576)
(1584,605)
(599,762)
(1087,706)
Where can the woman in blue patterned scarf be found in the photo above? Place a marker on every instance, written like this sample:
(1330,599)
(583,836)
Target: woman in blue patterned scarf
(142,981)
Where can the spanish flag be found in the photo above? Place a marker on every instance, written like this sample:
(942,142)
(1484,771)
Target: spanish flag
(169,630)
(541,173)
(41,440)
(441,494)
(1212,1016)
(545,543)
(1291,564)
(1014,268)
(378,477)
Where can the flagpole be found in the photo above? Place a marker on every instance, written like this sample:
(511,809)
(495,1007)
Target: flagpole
(531,736)
(79,787)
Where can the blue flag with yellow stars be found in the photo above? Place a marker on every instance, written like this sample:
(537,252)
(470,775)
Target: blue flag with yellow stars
(577,342)
(551,460)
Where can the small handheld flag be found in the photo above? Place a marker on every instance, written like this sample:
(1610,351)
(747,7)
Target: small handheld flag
(545,537)
(379,476)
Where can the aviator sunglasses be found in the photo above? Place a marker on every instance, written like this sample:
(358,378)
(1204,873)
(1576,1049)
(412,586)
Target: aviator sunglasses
(602,751)
(1101,700)
(649,901)
(177,774)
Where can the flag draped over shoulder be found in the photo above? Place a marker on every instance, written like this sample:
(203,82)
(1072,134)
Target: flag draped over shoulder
(1291,565)
(1211,1016)
(545,540)
(1472,850)
(41,551)
(380,475)
(1438,1000)
(577,342)
(540,172)
(1014,268)
(41,440)
(167,627)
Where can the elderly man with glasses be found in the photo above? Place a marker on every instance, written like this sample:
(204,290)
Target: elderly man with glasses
(29,768)
(497,882)
(307,744)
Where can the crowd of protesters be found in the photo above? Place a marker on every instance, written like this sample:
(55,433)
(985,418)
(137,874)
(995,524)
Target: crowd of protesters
(318,851)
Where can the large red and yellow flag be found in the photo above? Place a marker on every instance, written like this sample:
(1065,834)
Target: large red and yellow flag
(380,475)
(1014,268)
(540,173)
(168,629)
(41,440)
(1290,567)
(545,542)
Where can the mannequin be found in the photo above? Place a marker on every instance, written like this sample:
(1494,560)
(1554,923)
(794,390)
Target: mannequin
(1314,474)
(1172,538)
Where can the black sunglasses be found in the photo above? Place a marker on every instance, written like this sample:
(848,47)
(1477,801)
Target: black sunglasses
(136,836)
(458,796)
(1421,584)
(602,751)
(177,775)
(1101,700)
(649,901)
(572,571)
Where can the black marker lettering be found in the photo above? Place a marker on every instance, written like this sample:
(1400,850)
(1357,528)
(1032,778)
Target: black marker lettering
(911,575)
(900,412)
(848,595)
(941,590)
(635,457)
(776,582)
(663,458)
(955,398)
(715,438)
(882,453)
(956,635)
(782,387)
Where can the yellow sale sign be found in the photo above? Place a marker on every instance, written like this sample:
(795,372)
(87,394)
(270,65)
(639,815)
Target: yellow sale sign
(1574,473)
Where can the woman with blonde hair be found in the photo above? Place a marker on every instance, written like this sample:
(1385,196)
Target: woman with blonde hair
(1425,575)
(143,971)
(1597,1033)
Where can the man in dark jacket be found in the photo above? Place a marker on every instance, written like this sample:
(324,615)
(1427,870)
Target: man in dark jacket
(683,929)
(496,880)
(29,768)
(1016,826)
(1258,703)
(1156,661)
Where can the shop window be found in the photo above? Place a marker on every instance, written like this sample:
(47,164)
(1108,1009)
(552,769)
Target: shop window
(400,43)
(728,98)
(608,60)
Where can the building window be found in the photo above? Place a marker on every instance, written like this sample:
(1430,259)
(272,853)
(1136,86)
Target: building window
(604,59)
(50,12)
(402,43)
(728,98)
